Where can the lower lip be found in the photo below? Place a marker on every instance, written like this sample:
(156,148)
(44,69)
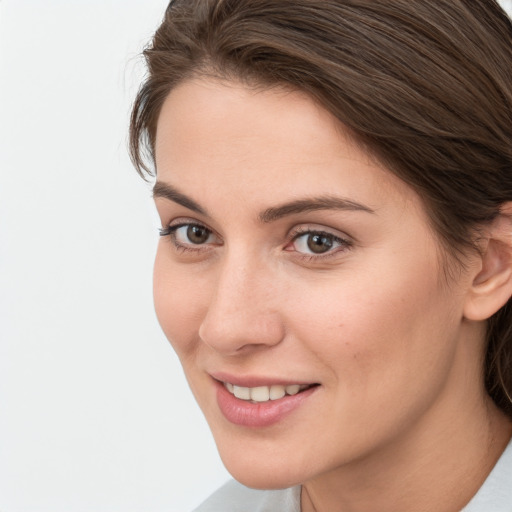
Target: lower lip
(262,414)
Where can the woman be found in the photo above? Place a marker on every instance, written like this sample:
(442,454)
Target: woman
(334,181)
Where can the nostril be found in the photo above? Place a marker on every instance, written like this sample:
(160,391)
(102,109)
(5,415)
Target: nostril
(231,332)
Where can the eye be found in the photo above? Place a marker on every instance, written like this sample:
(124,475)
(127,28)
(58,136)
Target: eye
(192,233)
(189,234)
(318,243)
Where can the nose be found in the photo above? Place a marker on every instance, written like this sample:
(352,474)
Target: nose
(243,312)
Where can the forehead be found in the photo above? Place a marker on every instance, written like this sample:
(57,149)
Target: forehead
(223,134)
(207,113)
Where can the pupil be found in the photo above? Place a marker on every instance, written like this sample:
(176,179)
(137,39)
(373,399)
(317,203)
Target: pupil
(319,243)
(197,234)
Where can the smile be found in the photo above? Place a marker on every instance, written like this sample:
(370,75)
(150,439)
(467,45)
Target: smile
(265,393)
(261,406)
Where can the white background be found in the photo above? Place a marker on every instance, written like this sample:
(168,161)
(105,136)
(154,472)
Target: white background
(95,414)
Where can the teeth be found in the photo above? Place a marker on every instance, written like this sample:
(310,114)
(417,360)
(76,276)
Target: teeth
(243,393)
(264,393)
(260,394)
(277,392)
(293,389)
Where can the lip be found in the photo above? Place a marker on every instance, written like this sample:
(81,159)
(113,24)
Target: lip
(252,381)
(262,414)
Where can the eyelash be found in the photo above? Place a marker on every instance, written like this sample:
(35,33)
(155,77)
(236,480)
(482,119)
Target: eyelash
(170,232)
(344,244)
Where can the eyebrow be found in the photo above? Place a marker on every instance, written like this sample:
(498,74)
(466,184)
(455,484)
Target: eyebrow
(310,205)
(172,194)
(270,214)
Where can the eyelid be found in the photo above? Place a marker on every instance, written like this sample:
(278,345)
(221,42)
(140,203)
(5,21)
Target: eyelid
(316,228)
(179,222)
(345,242)
(170,232)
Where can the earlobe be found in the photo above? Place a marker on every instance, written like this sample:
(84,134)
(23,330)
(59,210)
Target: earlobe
(492,285)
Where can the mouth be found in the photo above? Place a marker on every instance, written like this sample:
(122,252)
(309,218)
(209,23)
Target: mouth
(261,394)
(260,405)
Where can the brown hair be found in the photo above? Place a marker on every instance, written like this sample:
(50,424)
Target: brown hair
(425,86)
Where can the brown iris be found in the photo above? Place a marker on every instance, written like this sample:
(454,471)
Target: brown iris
(197,234)
(319,243)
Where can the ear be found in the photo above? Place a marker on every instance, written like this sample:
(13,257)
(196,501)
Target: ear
(492,285)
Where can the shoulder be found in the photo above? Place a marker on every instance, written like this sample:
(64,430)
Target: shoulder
(234,497)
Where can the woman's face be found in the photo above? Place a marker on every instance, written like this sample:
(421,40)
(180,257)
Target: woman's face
(290,258)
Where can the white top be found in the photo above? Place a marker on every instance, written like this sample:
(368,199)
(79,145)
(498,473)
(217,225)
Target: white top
(234,497)
(495,495)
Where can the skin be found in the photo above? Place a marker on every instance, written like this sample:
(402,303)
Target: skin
(400,420)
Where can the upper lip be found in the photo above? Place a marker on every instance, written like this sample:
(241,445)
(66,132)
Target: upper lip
(252,381)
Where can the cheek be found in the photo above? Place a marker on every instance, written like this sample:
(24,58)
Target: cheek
(177,303)
(384,352)
(378,328)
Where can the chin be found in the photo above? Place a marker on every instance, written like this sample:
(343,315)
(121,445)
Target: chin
(259,470)
(259,478)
